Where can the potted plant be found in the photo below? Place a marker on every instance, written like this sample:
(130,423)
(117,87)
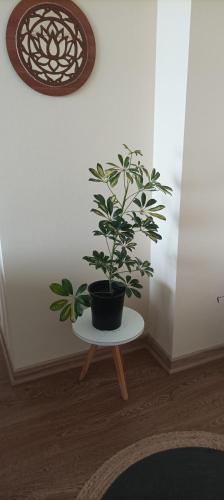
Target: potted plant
(120,218)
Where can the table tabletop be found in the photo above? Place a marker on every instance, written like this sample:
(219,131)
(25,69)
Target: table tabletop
(132,326)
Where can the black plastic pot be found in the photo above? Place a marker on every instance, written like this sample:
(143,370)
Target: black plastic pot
(106,307)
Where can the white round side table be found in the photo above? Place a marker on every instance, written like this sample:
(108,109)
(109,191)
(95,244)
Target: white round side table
(132,327)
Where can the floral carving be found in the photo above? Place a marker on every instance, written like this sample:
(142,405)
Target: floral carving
(51,44)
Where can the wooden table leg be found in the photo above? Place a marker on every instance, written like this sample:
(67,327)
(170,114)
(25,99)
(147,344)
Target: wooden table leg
(120,372)
(87,362)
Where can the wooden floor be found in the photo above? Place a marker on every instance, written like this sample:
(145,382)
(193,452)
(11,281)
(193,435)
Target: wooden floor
(54,432)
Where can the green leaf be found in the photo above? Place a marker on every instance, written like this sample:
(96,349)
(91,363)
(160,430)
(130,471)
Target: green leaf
(128,292)
(96,233)
(103,225)
(164,189)
(143,198)
(84,299)
(159,216)
(126,147)
(110,171)
(79,308)
(81,289)
(99,198)
(58,289)
(120,157)
(126,162)
(149,186)
(114,179)
(66,312)
(87,258)
(100,170)
(136,285)
(153,172)
(136,293)
(136,219)
(155,209)
(110,206)
(139,181)
(97,212)
(56,306)
(72,313)
(117,213)
(138,152)
(94,172)
(154,236)
(150,202)
(137,202)
(67,286)
(168,189)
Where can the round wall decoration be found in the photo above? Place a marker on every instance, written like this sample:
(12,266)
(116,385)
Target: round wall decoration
(51,45)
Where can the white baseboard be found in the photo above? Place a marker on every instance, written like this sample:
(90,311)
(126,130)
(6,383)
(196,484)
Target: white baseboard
(184,362)
(46,368)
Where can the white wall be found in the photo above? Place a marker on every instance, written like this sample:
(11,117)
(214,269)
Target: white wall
(47,146)
(189,147)
(172,45)
(199,319)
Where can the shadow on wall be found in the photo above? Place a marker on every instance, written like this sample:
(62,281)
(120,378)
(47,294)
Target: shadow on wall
(141,305)
(161,316)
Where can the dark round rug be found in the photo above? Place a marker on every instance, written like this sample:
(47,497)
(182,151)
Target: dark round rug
(178,474)
(173,466)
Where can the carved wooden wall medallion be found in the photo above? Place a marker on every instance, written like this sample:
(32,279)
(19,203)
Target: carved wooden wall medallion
(51,45)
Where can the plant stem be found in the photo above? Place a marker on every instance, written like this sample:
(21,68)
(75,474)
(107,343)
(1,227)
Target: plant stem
(133,197)
(126,188)
(73,310)
(134,194)
(124,181)
(108,246)
(132,271)
(111,265)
